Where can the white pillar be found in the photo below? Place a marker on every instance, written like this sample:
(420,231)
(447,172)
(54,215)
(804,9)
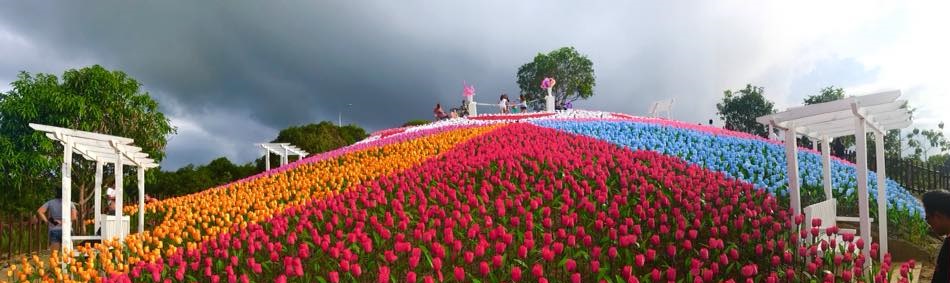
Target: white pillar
(771,134)
(826,167)
(549,102)
(141,181)
(67,198)
(881,194)
(862,170)
(814,144)
(472,108)
(267,158)
(97,194)
(117,223)
(791,158)
(283,159)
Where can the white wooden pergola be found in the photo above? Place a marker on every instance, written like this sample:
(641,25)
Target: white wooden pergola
(102,149)
(845,117)
(284,150)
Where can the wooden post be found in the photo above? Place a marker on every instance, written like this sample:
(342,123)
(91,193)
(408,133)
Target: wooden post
(267,159)
(117,224)
(881,195)
(97,204)
(862,171)
(67,199)
(141,181)
(826,167)
(791,158)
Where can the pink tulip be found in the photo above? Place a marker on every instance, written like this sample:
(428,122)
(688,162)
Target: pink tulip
(515,274)
(459,274)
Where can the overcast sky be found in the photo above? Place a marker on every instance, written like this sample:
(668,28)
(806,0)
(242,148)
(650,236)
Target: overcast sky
(233,73)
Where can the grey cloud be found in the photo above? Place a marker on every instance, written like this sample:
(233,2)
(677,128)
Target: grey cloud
(223,66)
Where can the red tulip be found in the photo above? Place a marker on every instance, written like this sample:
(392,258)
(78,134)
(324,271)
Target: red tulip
(459,274)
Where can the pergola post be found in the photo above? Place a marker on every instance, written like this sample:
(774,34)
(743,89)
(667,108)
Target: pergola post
(826,167)
(117,223)
(267,159)
(97,194)
(141,182)
(472,109)
(283,158)
(860,136)
(791,158)
(67,197)
(881,194)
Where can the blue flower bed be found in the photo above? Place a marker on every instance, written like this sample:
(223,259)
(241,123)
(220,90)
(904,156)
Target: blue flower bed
(754,161)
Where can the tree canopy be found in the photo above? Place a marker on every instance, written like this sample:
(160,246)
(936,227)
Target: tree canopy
(416,122)
(827,94)
(321,137)
(317,138)
(192,179)
(89,99)
(573,71)
(314,138)
(740,108)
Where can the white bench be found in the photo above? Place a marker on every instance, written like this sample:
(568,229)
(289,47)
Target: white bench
(114,229)
(827,211)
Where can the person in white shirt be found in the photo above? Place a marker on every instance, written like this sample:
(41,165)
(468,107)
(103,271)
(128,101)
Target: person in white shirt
(503,104)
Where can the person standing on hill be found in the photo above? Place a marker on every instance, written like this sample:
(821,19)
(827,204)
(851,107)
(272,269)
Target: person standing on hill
(503,104)
(51,212)
(937,209)
(439,113)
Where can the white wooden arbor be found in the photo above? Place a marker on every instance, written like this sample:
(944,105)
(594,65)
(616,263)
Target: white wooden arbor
(102,149)
(284,150)
(660,106)
(845,117)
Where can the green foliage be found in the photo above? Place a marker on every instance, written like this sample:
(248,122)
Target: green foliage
(573,71)
(325,136)
(939,160)
(828,94)
(192,179)
(317,138)
(740,108)
(417,122)
(925,142)
(314,138)
(89,99)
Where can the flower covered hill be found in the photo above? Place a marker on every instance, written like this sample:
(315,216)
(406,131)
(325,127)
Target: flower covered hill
(550,197)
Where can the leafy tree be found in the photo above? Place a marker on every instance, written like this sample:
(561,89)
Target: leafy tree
(924,142)
(191,179)
(740,108)
(940,161)
(417,122)
(828,94)
(89,99)
(317,138)
(573,71)
(314,138)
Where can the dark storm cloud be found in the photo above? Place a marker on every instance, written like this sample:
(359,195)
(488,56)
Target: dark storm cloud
(233,73)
